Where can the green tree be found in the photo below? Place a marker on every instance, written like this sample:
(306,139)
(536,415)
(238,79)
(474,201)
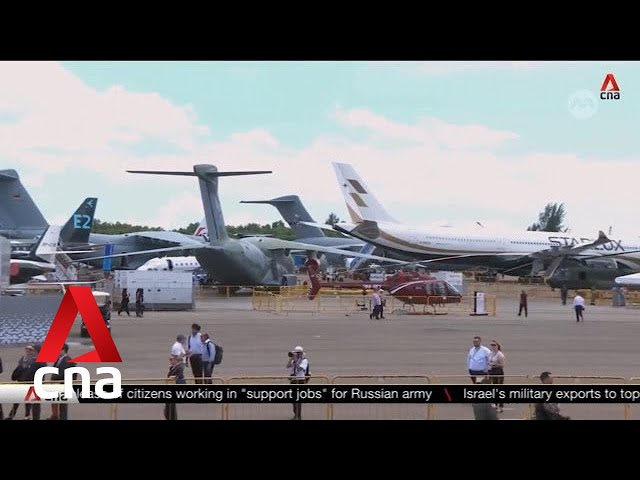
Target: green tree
(118,227)
(333,219)
(189,229)
(551,219)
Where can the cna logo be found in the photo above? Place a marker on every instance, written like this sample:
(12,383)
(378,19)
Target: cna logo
(610,89)
(77,299)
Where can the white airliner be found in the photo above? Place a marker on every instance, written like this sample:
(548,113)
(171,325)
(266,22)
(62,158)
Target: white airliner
(174,264)
(518,253)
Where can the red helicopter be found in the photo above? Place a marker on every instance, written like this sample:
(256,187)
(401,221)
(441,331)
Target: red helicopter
(421,289)
(413,288)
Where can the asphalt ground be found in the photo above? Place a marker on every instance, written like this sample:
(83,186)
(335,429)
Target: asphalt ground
(342,344)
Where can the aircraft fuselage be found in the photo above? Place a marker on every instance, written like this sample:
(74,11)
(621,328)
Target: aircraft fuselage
(502,252)
(240,262)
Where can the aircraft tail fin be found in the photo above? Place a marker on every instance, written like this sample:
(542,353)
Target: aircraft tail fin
(293,212)
(47,246)
(358,262)
(208,178)
(17,209)
(78,227)
(202,230)
(361,203)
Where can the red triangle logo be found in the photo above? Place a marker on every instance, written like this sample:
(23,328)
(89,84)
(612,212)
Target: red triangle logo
(31,392)
(610,80)
(79,299)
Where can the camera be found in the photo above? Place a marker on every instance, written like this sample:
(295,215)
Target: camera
(291,354)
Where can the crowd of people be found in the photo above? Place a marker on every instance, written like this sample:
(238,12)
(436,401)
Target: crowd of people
(198,352)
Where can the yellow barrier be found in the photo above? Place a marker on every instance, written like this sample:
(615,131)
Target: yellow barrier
(349,301)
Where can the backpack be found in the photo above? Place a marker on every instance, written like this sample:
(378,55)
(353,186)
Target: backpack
(217,359)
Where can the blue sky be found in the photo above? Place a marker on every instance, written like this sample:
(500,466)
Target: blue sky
(448,142)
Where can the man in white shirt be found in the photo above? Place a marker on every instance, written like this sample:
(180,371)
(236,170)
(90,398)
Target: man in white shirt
(578,306)
(178,350)
(376,302)
(478,359)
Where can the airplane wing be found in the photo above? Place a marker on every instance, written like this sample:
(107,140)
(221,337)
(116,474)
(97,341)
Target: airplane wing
(422,263)
(155,250)
(245,235)
(165,238)
(554,252)
(277,244)
(323,226)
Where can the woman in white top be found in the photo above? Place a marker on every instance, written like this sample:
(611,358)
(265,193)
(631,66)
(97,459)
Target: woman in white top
(496,366)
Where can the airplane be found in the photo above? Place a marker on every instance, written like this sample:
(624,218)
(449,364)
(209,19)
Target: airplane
(41,259)
(231,261)
(304,229)
(174,264)
(520,253)
(294,213)
(74,233)
(20,218)
(22,222)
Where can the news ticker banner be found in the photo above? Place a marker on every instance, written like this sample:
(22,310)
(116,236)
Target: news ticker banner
(266,394)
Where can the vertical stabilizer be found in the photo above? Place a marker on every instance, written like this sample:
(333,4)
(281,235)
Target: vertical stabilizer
(208,179)
(361,203)
(293,212)
(202,231)
(18,212)
(47,246)
(78,227)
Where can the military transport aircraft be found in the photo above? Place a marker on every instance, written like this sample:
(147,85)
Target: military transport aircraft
(245,261)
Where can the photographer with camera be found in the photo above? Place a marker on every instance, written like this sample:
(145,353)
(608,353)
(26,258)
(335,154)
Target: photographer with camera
(299,365)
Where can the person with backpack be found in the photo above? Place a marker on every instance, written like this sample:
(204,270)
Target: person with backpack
(299,373)
(208,357)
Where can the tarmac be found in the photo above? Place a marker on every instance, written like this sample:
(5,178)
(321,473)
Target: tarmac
(339,344)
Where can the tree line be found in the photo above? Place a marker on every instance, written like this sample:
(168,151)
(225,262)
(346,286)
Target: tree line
(277,229)
(551,219)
